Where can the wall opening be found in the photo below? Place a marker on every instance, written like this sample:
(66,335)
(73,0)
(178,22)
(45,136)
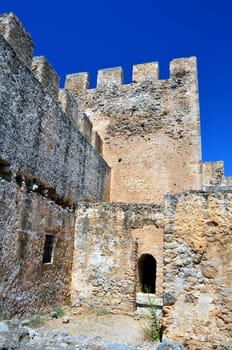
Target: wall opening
(5,171)
(147,273)
(48,249)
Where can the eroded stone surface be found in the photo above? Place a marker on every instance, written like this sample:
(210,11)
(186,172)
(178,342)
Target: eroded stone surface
(197,268)
(28,285)
(46,167)
(47,146)
(105,258)
(16,35)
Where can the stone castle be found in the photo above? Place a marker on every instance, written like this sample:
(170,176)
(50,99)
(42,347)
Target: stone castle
(104,194)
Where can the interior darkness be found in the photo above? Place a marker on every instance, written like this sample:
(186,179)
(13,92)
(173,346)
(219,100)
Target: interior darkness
(147,273)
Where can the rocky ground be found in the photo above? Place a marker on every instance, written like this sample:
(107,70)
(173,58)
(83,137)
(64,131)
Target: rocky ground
(95,331)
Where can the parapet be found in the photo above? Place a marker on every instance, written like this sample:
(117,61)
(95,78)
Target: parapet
(46,75)
(180,69)
(15,34)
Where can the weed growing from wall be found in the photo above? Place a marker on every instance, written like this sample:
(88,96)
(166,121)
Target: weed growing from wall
(59,311)
(155,324)
(36,322)
(153,327)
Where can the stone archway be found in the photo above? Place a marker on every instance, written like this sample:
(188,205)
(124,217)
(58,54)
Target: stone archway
(147,273)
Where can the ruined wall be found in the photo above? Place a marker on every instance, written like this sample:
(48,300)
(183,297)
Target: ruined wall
(105,267)
(27,284)
(150,128)
(198,270)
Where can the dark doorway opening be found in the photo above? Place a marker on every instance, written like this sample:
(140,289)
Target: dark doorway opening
(147,273)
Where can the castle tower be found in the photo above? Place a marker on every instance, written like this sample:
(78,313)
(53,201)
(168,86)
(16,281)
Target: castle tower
(150,128)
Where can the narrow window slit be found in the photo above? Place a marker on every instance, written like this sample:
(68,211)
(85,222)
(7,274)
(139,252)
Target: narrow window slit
(48,249)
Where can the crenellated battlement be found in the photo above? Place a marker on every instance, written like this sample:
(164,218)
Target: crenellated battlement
(78,83)
(145,106)
(20,40)
(149,122)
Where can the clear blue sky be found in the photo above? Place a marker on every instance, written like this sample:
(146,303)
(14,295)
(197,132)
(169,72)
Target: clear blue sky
(87,35)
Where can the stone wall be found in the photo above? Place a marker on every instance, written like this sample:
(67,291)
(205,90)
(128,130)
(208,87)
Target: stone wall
(198,270)
(40,142)
(148,132)
(27,284)
(46,167)
(105,268)
(150,128)
(150,242)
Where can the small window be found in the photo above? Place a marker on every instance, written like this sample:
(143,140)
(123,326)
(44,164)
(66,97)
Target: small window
(48,249)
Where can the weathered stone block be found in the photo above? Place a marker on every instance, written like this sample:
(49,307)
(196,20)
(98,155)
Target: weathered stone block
(145,72)
(15,34)
(77,83)
(25,220)
(110,76)
(203,238)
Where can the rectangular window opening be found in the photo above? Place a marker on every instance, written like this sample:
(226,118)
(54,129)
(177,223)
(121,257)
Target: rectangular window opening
(48,249)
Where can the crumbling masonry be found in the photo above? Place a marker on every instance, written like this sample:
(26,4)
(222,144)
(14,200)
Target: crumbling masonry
(104,194)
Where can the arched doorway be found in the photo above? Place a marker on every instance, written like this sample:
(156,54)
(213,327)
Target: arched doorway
(147,273)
